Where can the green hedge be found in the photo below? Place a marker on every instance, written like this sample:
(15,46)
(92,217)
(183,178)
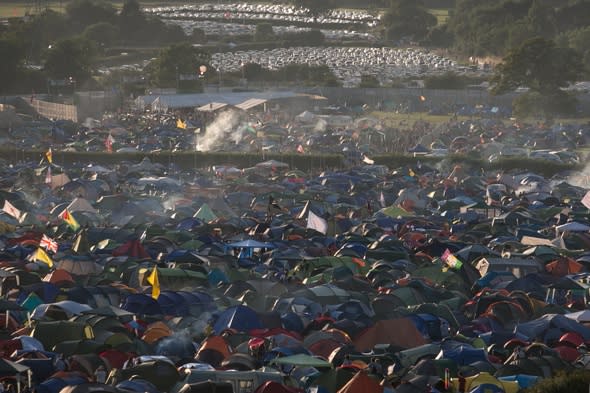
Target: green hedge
(308,162)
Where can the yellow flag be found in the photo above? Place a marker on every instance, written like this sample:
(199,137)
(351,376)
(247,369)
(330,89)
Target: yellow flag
(42,256)
(180,124)
(69,219)
(155,282)
(49,156)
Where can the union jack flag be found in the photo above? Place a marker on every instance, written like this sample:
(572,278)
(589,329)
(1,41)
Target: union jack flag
(48,243)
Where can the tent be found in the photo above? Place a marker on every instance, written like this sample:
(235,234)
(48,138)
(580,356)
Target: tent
(361,383)
(240,318)
(400,332)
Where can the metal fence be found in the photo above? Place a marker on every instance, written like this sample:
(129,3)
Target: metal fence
(52,110)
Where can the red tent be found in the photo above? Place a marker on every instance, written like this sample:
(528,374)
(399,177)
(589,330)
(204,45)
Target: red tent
(361,383)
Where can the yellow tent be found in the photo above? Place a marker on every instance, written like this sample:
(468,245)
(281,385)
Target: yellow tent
(485,378)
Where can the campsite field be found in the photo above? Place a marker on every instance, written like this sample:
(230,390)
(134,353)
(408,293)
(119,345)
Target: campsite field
(393,119)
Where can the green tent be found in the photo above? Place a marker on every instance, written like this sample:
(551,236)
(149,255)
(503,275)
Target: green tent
(395,211)
(205,214)
(55,332)
(302,360)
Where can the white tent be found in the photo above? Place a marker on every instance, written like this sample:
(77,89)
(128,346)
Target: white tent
(81,205)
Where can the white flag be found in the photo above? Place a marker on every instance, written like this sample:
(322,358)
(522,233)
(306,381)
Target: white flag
(317,223)
(11,210)
(368,161)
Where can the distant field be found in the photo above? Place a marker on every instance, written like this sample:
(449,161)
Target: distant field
(13,9)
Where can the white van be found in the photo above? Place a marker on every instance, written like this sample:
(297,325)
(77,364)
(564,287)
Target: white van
(242,381)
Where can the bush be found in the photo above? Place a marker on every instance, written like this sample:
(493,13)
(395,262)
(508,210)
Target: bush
(572,382)
(448,80)
(533,104)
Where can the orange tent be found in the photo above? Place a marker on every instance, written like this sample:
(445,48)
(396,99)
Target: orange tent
(563,266)
(57,276)
(156,331)
(361,383)
(400,332)
(216,343)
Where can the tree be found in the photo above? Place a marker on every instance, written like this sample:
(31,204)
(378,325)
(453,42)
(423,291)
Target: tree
(71,58)
(545,69)
(368,81)
(563,382)
(253,71)
(407,18)
(264,32)
(539,65)
(84,13)
(103,33)
(176,60)
(13,55)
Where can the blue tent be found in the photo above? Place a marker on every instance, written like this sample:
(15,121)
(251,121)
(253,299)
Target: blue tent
(240,318)
(464,355)
(141,304)
(54,385)
(541,327)
(524,381)
(171,303)
(137,385)
(247,247)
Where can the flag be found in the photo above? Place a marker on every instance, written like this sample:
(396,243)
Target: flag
(48,177)
(11,210)
(108,143)
(48,243)
(317,223)
(452,261)
(69,219)
(154,282)
(300,149)
(382,199)
(180,124)
(42,256)
(49,156)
